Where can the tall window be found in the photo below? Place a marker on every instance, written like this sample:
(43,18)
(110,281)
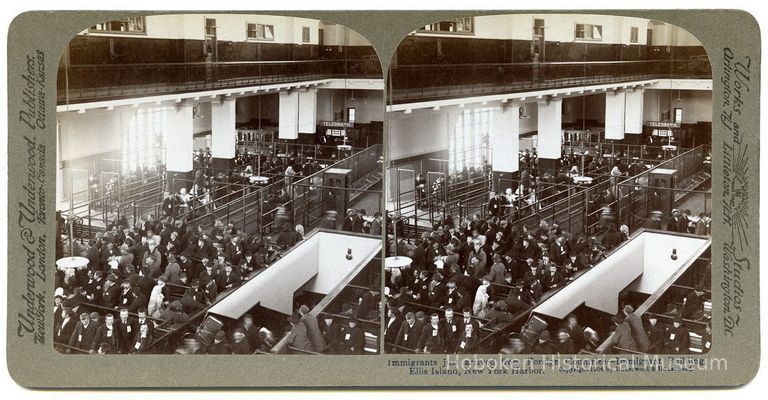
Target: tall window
(304,34)
(456,25)
(633,33)
(261,32)
(589,32)
(538,27)
(123,25)
(210,27)
(144,140)
(468,144)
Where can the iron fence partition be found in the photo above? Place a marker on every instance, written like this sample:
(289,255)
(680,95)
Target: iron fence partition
(434,81)
(85,82)
(575,208)
(312,196)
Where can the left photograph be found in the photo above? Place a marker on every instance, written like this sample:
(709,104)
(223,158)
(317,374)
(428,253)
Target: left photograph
(219,187)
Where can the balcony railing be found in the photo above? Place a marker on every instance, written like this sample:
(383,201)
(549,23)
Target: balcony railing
(80,83)
(435,81)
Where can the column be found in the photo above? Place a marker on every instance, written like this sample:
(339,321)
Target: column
(614,114)
(550,133)
(308,110)
(505,144)
(289,115)
(178,152)
(633,122)
(223,134)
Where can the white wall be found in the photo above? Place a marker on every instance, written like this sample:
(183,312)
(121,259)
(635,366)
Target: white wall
(696,104)
(369,104)
(557,27)
(230,27)
(95,132)
(421,132)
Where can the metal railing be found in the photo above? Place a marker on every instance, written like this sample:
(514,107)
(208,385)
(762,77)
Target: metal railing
(78,83)
(434,81)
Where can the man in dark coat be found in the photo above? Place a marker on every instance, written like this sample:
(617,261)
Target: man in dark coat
(352,340)
(83,334)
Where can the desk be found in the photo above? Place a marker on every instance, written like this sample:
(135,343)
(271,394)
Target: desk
(258,180)
(582,180)
(67,263)
(397,262)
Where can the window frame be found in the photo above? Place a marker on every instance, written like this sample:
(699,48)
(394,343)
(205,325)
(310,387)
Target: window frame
(634,32)
(143,32)
(454,22)
(263,31)
(584,29)
(306,30)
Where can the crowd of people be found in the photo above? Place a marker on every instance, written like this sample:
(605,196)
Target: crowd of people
(156,271)
(487,269)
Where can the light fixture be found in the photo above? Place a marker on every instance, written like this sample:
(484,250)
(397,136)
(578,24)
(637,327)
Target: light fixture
(349,253)
(674,254)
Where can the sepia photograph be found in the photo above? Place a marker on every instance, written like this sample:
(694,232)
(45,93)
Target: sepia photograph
(218,187)
(549,188)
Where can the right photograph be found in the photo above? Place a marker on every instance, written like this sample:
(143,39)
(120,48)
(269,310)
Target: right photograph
(548,187)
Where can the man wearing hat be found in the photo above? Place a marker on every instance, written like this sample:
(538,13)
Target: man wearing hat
(693,304)
(173,314)
(676,338)
(313,329)
(352,338)
(297,337)
(63,330)
(677,222)
(432,336)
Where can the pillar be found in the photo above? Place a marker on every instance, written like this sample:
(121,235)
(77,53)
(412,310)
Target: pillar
(550,132)
(614,114)
(633,121)
(289,115)
(223,134)
(308,110)
(505,143)
(179,148)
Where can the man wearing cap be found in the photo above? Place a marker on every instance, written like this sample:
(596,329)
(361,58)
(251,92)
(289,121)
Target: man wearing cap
(63,331)
(368,304)
(251,332)
(173,314)
(172,270)
(352,338)
(408,336)
(83,334)
(349,221)
(152,259)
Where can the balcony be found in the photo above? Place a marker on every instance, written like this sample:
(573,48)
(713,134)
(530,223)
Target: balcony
(424,82)
(85,83)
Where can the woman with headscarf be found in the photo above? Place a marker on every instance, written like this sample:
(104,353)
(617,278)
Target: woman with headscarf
(155,305)
(480,306)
